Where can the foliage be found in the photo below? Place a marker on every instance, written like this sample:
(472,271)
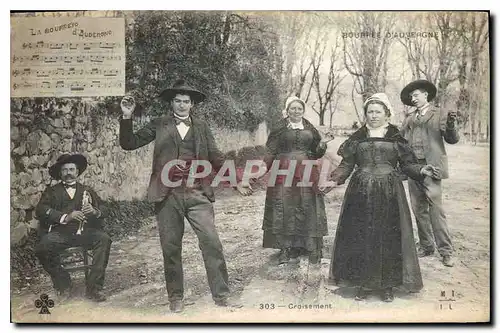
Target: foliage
(125,217)
(232,58)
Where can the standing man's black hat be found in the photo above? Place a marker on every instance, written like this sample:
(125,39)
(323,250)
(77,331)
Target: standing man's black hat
(181,87)
(418,84)
(79,160)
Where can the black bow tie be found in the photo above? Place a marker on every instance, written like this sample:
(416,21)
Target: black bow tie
(186,121)
(70,185)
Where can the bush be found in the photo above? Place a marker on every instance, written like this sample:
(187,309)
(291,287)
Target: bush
(125,217)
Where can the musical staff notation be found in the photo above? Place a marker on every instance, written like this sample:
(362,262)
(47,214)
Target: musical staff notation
(73,71)
(68,62)
(74,85)
(70,46)
(65,58)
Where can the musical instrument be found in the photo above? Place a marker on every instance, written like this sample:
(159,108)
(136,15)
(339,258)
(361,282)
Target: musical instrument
(87,199)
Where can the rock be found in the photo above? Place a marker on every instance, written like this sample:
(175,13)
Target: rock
(111,168)
(34,224)
(22,215)
(56,140)
(81,119)
(49,129)
(14,217)
(36,177)
(21,150)
(35,198)
(38,142)
(41,160)
(57,123)
(25,119)
(29,190)
(41,187)
(45,175)
(23,132)
(21,179)
(83,147)
(14,133)
(66,146)
(25,162)
(12,165)
(22,202)
(67,134)
(66,108)
(18,234)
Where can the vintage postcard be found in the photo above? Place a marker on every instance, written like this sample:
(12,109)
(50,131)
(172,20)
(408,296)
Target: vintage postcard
(243,167)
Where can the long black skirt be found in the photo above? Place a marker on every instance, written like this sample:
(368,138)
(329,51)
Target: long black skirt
(374,245)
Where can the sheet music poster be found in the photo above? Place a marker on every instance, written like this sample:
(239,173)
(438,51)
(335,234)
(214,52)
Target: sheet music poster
(67,56)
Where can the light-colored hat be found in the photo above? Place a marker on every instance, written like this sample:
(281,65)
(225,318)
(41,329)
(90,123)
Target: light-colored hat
(380,97)
(289,101)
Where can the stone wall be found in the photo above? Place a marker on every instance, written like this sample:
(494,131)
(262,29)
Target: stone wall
(43,129)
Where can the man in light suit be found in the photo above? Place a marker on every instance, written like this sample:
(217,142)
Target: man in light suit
(425,130)
(180,136)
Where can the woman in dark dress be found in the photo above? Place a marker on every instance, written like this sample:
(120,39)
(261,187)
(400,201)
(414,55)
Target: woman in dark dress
(374,246)
(294,215)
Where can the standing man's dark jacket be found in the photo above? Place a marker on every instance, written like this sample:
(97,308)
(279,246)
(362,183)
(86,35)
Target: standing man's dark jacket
(167,141)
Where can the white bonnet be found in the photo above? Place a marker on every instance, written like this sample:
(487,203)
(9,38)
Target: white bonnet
(289,101)
(381,97)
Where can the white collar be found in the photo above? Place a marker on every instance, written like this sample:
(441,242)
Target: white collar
(378,132)
(297,125)
(181,118)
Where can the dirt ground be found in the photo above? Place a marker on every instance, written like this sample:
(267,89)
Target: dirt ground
(294,293)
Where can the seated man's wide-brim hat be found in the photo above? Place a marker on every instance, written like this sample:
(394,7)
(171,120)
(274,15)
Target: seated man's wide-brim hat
(79,160)
(418,84)
(181,87)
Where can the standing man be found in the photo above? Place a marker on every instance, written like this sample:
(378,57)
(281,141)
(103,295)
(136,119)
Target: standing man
(69,213)
(425,130)
(180,136)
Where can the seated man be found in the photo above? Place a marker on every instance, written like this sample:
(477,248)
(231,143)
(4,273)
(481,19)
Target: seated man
(69,212)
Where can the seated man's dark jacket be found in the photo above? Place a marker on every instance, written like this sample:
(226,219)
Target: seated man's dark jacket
(55,202)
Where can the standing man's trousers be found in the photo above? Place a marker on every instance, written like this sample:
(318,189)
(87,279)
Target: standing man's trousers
(427,206)
(195,206)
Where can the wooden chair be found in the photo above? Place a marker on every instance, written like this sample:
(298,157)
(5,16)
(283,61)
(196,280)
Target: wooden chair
(75,259)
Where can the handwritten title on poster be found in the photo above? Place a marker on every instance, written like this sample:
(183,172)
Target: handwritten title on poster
(67,56)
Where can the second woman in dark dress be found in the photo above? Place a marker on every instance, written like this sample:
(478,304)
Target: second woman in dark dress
(294,216)
(374,246)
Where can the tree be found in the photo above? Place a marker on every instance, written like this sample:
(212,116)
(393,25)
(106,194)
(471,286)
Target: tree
(293,29)
(365,54)
(325,95)
(452,54)
(434,57)
(233,58)
(472,76)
